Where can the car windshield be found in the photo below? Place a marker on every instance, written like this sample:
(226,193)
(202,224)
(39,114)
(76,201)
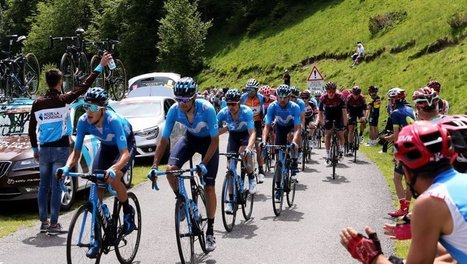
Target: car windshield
(154,81)
(14,121)
(137,108)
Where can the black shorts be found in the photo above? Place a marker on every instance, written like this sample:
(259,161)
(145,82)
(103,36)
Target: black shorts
(281,134)
(236,140)
(339,123)
(108,155)
(187,146)
(259,129)
(373,120)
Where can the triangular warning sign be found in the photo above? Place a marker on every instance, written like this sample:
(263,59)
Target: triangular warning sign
(315,75)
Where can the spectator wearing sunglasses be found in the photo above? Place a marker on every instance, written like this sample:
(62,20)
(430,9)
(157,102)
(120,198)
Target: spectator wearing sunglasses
(202,136)
(49,119)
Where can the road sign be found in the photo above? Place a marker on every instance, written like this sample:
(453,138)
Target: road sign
(315,80)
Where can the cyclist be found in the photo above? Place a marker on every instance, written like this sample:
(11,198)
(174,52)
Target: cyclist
(457,128)
(317,94)
(242,133)
(311,112)
(332,108)
(356,108)
(426,103)
(255,101)
(266,92)
(402,114)
(115,154)
(202,136)
(443,105)
(373,115)
(439,218)
(286,115)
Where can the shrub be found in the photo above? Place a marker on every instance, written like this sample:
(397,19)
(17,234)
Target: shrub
(385,21)
(458,21)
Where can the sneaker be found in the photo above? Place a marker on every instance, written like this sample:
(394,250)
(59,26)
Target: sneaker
(328,163)
(55,229)
(261,177)
(399,212)
(228,208)
(93,251)
(349,153)
(294,177)
(277,197)
(129,221)
(340,154)
(210,242)
(44,227)
(361,139)
(252,185)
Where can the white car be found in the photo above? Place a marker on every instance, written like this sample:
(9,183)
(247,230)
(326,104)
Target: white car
(147,115)
(167,79)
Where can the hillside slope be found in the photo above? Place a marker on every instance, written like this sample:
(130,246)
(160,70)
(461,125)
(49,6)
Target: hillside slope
(324,33)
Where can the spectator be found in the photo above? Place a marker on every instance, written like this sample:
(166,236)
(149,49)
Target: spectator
(439,218)
(373,115)
(49,118)
(286,77)
(357,57)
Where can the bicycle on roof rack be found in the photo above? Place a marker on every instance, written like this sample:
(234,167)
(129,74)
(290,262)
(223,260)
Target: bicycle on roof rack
(112,80)
(19,74)
(74,63)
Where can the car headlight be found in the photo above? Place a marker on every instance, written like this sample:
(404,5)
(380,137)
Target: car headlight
(148,133)
(26,164)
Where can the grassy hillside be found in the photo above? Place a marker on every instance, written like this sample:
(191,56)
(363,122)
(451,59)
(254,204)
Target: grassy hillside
(324,33)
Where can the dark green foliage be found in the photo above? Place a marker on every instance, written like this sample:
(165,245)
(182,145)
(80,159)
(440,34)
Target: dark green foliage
(384,22)
(458,21)
(182,36)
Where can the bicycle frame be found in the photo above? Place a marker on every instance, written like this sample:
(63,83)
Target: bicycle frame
(282,158)
(235,177)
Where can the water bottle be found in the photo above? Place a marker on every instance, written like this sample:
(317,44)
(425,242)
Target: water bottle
(106,212)
(112,65)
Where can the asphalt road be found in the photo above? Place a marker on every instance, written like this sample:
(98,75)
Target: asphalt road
(305,233)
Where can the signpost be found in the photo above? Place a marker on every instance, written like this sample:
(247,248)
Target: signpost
(315,80)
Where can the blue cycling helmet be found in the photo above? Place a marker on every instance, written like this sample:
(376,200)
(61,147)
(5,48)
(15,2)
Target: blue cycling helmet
(97,96)
(294,91)
(185,87)
(283,90)
(252,83)
(232,95)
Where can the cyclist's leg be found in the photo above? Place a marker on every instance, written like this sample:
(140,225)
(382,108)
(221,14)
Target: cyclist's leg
(181,153)
(259,157)
(327,137)
(340,134)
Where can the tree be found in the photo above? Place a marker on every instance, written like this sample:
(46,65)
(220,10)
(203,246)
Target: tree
(182,37)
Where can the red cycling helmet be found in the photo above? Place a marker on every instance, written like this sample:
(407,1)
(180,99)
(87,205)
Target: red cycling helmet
(435,85)
(457,128)
(265,90)
(421,143)
(425,95)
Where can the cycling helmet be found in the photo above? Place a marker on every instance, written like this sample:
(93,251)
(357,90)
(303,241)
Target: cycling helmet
(294,91)
(421,143)
(283,90)
(396,93)
(96,96)
(252,83)
(373,89)
(356,90)
(265,90)
(425,95)
(457,128)
(233,95)
(330,85)
(185,87)
(435,85)
(305,93)
(318,93)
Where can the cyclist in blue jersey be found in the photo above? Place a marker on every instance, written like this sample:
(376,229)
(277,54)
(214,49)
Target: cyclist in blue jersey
(286,115)
(202,136)
(402,114)
(294,97)
(115,155)
(238,121)
(439,218)
(255,101)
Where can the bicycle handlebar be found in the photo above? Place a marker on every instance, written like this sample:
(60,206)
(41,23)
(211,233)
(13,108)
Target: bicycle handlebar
(177,173)
(93,177)
(51,40)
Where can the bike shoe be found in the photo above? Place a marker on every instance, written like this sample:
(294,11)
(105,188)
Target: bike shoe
(93,251)
(129,221)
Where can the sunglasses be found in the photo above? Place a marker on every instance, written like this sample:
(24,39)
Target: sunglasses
(91,107)
(305,98)
(232,104)
(283,97)
(183,99)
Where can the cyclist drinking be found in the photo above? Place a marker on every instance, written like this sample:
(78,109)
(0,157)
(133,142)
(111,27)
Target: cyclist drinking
(242,133)
(286,115)
(332,108)
(115,154)
(356,107)
(202,136)
(255,101)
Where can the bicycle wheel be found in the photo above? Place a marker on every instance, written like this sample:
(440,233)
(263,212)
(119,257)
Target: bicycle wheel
(127,246)
(79,236)
(290,189)
(277,207)
(185,241)
(82,69)
(247,202)
(228,219)
(31,74)
(305,150)
(334,156)
(99,82)
(67,67)
(202,223)
(356,144)
(117,81)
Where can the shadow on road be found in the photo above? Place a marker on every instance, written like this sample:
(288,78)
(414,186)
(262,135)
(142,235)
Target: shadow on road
(44,240)
(288,214)
(301,187)
(338,180)
(242,230)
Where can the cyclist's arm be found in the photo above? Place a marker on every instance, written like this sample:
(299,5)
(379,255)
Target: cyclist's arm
(32,129)
(213,132)
(251,129)
(251,139)
(296,134)
(297,124)
(221,120)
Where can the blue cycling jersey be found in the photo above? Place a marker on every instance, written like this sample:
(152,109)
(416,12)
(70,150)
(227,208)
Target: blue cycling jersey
(402,115)
(204,121)
(284,116)
(244,120)
(115,130)
(301,104)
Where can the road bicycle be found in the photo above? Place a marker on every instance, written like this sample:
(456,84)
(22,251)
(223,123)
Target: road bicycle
(268,153)
(318,136)
(335,156)
(19,74)
(74,63)
(306,148)
(356,141)
(112,80)
(235,193)
(282,181)
(191,216)
(91,225)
